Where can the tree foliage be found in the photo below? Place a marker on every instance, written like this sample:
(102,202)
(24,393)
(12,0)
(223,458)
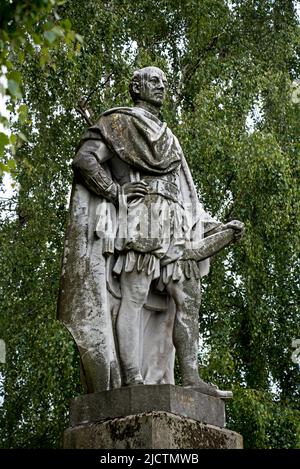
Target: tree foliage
(231,67)
(25,28)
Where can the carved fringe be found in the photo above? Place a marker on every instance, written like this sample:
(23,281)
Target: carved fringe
(150,264)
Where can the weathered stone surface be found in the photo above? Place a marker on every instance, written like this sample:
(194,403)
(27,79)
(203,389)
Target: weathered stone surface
(135,217)
(133,400)
(152,430)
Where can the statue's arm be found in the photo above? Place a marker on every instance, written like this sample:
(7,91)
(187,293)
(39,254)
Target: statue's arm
(88,169)
(237,226)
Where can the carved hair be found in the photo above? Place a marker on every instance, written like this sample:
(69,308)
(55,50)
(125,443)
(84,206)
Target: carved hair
(136,79)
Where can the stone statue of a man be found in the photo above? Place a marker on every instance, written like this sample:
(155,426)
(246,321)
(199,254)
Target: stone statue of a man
(137,244)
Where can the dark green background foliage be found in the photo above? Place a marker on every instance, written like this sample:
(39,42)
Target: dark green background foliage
(223,65)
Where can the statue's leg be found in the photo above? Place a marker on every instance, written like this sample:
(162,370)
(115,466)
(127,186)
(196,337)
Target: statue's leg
(187,296)
(134,288)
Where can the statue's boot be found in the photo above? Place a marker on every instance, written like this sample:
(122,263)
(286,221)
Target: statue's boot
(191,379)
(132,379)
(210,389)
(188,361)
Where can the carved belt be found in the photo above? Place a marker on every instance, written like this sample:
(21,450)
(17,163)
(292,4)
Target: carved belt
(167,189)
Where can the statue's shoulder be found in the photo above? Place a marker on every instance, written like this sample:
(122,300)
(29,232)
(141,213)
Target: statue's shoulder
(128,115)
(138,112)
(119,110)
(116,114)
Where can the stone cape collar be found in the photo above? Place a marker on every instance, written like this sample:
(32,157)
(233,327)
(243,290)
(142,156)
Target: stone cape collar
(140,139)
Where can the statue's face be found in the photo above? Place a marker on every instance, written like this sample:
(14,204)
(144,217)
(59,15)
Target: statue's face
(152,86)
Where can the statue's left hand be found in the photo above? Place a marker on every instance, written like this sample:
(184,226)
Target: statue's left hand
(135,189)
(238,227)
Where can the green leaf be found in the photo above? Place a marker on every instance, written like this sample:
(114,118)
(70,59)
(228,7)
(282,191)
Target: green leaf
(44,56)
(22,113)
(11,164)
(14,89)
(15,76)
(37,38)
(79,38)
(58,31)
(4,121)
(4,140)
(66,24)
(3,167)
(51,36)
(22,137)
(13,139)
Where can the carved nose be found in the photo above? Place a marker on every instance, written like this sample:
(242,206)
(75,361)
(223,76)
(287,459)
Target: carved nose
(161,85)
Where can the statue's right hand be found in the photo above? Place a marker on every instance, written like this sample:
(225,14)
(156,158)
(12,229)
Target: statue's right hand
(238,227)
(135,189)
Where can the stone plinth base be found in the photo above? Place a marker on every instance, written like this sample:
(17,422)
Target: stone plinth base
(153,430)
(134,400)
(149,417)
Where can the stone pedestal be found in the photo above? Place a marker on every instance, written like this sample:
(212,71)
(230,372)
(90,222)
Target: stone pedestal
(149,417)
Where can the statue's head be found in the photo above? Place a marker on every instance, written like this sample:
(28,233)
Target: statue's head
(148,84)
